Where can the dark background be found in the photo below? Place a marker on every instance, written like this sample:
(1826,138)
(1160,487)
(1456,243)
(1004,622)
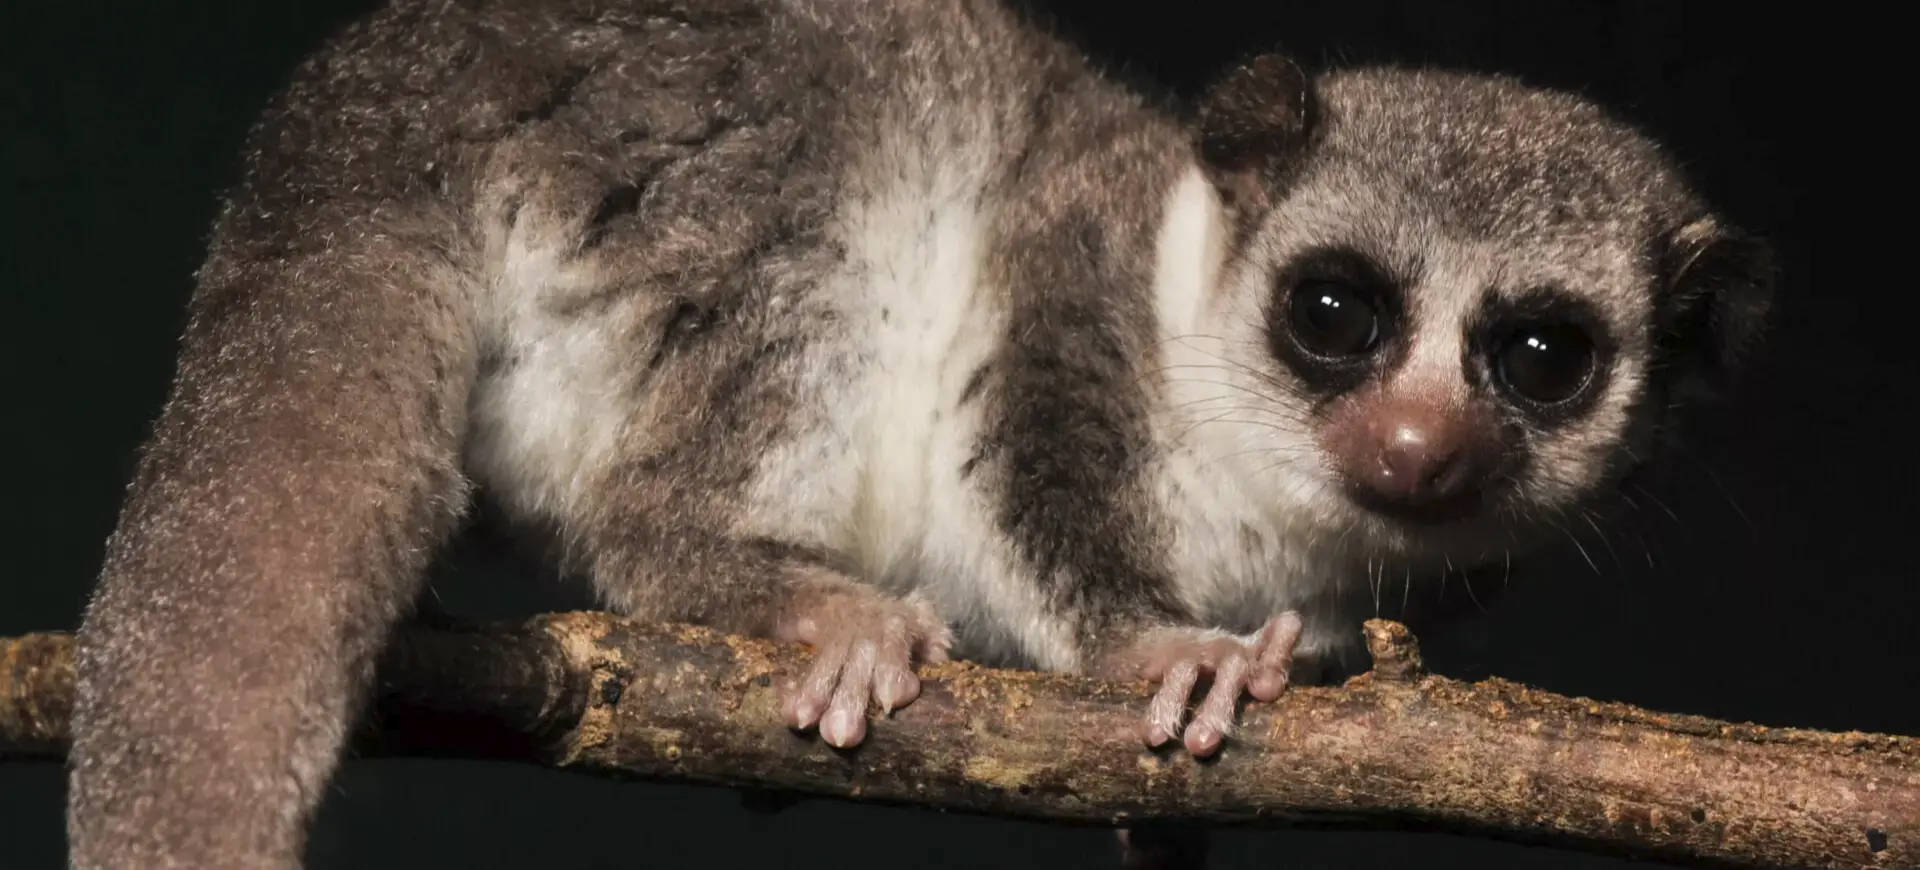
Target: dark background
(1776,591)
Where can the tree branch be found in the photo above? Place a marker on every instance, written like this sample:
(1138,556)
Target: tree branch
(1395,748)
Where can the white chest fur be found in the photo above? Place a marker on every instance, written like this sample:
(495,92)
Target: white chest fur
(877,468)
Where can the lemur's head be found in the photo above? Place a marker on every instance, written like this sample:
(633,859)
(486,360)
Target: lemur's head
(1453,306)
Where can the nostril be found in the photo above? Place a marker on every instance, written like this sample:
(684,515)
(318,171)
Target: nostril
(1402,470)
(1448,476)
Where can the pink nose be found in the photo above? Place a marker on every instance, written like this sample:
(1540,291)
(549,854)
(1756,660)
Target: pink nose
(1420,461)
(1414,457)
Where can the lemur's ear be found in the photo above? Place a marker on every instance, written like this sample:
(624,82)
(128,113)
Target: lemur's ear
(1717,294)
(1253,121)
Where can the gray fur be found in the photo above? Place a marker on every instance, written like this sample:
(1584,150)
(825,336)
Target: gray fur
(606,258)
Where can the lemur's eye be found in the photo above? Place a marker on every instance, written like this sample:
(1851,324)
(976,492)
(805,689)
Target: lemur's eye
(1333,319)
(1546,364)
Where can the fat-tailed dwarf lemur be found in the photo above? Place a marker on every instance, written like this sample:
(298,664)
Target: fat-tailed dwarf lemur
(894,328)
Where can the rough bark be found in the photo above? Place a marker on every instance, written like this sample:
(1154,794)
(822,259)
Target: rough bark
(1394,748)
(36,695)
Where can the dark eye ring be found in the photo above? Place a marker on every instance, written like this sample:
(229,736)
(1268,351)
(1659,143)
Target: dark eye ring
(1546,364)
(1333,319)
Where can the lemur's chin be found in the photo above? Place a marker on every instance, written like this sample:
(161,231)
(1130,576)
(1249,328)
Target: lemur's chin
(1418,516)
(1457,533)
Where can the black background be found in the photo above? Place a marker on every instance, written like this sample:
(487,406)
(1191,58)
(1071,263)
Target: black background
(1778,589)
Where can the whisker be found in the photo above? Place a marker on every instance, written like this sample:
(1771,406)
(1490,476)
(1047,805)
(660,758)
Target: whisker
(1731,501)
(1578,546)
(1658,503)
(1263,377)
(1586,515)
(1467,581)
(1645,548)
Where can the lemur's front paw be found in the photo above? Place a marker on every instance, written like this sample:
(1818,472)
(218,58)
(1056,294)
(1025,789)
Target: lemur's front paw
(1259,664)
(865,647)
